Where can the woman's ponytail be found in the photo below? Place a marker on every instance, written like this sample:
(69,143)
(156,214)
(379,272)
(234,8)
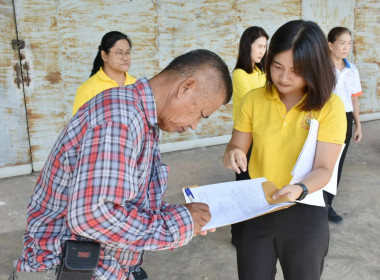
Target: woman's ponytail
(98,62)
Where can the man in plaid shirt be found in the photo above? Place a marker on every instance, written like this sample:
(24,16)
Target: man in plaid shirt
(104,180)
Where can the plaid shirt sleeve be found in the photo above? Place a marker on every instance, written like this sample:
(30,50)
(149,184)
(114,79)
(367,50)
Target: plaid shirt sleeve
(106,203)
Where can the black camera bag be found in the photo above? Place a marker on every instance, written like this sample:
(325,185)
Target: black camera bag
(79,260)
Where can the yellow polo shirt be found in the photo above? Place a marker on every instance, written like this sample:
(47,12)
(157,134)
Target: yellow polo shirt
(278,136)
(96,84)
(242,83)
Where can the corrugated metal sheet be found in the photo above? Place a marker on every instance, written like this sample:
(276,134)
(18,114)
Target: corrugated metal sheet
(62,39)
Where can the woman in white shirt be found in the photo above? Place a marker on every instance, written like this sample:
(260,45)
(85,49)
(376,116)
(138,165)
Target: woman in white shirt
(348,88)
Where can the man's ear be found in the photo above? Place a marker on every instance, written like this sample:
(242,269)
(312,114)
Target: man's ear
(187,86)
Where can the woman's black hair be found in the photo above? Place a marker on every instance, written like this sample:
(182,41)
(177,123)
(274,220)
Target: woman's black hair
(311,60)
(108,41)
(244,61)
(336,32)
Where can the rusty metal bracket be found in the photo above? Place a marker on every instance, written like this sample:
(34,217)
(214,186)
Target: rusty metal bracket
(18,44)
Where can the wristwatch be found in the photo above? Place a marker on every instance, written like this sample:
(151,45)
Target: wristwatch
(304,193)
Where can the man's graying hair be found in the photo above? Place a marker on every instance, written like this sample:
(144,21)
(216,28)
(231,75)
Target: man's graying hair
(194,60)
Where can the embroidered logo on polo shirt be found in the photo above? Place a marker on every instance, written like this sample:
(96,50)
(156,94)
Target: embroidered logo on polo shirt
(305,122)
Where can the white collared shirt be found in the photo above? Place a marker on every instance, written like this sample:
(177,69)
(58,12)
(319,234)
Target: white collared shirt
(348,84)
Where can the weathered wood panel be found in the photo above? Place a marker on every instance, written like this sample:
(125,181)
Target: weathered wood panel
(62,39)
(329,13)
(82,25)
(37,26)
(187,25)
(366,36)
(14,143)
(269,14)
(362,18)
(215,25)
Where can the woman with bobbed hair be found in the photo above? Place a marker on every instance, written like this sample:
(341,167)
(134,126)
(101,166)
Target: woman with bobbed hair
(275,120)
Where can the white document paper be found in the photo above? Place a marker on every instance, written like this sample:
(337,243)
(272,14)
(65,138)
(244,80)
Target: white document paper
(332,185)
(304,165)
(305,160)
(233,202)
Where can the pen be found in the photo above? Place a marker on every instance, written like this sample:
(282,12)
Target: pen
(189,194)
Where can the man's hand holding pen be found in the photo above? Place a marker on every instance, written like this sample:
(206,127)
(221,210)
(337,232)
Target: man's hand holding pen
(201,216)
(200,213)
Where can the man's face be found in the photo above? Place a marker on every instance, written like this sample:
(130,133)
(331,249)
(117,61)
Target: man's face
(186,111)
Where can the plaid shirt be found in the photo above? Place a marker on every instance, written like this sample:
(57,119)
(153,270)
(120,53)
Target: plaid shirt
(104,181)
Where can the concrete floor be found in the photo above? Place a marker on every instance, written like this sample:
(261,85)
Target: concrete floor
(354,245)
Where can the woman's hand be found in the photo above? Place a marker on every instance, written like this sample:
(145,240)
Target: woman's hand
(235,159)
(326,156)
(290,191)
(357,134)
(235,156)
(357,137)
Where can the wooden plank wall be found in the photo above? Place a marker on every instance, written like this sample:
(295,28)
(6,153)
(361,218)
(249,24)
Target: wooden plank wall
(62,39)
(14,142)
(362,18)
(367,52)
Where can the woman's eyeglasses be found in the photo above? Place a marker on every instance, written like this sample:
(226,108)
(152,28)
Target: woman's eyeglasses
(120,55)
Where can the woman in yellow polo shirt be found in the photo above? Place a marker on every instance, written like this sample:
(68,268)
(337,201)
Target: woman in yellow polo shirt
(249,70)
(110,68)
(276,120)
(248,75)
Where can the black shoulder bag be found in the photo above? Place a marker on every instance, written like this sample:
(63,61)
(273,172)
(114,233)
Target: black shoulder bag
(79,260)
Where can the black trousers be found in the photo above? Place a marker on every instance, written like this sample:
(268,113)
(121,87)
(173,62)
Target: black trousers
(244,175)
(298,236)
(240,177)
(350,118)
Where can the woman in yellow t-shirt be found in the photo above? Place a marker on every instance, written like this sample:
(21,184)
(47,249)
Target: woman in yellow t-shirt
(110,68)
(275,120)
(249,71)
(248,75)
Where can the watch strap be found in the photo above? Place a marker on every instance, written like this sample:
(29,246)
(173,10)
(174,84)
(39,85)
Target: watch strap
(305,191)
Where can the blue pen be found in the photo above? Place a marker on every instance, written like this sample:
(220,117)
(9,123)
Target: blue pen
(189,194)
